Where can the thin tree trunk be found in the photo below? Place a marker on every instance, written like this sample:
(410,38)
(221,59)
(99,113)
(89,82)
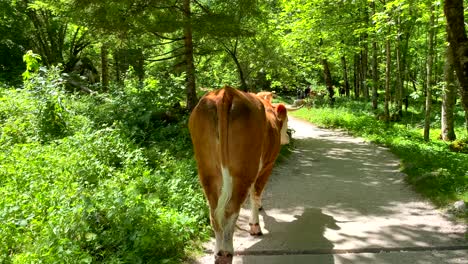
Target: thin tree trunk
(399,86)
(365,52)
(357,75)
(427,119)
(104,68)
(387,81)
(458,40)
(233,53)
(140,68)
(117,65)
(190,70)
(404,66)
(243,86)
(375,74)
(328,81)
(345,76)
(399,82)
(448,99)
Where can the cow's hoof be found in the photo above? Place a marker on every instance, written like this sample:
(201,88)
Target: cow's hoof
(255,230)
(223,257)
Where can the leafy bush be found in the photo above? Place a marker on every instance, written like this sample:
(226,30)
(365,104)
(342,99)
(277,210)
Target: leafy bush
(460,145)
(88,179)
(16,117)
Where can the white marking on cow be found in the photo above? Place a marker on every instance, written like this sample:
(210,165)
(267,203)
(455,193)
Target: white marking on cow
(224,197)
(260,166)
(228,244)
(224,238)
(219,241)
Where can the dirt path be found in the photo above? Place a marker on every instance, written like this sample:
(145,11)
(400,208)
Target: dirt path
(340,200)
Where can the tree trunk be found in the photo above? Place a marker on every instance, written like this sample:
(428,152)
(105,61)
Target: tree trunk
(357,76)
(458,40)
(387,81)
(117,65)
(399,82)
(345,76)
(375,69)
(49,35)
(375,75)
(430,54)
(243,86)
(328,81)
(190,70)
(364,55)
(140,67)
(104,68)
(448,99)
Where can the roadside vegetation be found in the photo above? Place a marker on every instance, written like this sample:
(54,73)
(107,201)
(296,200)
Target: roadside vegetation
(437,169)
(107,178)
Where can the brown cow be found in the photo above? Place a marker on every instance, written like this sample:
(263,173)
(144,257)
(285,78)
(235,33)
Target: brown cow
(236,138)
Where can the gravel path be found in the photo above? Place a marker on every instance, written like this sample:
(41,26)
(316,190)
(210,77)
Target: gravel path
(338,199)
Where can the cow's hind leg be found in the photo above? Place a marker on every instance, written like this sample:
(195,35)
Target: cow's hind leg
(256,199)
(218,191)
(254,221)
(224,249)
(225,216)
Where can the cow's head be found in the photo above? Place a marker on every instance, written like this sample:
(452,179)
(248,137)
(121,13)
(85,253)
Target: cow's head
(282,114)
(282,111)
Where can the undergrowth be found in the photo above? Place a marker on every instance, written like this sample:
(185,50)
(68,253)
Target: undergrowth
(104,178)
(432,168)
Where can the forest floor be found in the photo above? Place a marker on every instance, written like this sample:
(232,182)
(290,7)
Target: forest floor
(337,199)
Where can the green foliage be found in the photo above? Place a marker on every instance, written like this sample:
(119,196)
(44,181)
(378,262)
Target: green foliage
(139,108)
(431,167)
(460,145)
(53,120)
(32,63)
(86,180)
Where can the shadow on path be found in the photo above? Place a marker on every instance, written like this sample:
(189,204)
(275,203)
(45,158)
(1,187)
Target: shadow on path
(296,237)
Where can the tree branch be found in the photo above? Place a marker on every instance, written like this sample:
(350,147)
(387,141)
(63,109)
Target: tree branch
(171,51)
(202,7)
(164,37)
(167,58)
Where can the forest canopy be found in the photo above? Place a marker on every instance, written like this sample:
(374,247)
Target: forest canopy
(360,48)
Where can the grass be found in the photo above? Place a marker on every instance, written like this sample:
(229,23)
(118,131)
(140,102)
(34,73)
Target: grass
(432,169)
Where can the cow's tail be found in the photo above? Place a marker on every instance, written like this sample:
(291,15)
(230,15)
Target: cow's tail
(223,133)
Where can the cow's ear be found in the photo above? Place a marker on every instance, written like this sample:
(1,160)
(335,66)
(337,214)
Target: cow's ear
(281,111)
